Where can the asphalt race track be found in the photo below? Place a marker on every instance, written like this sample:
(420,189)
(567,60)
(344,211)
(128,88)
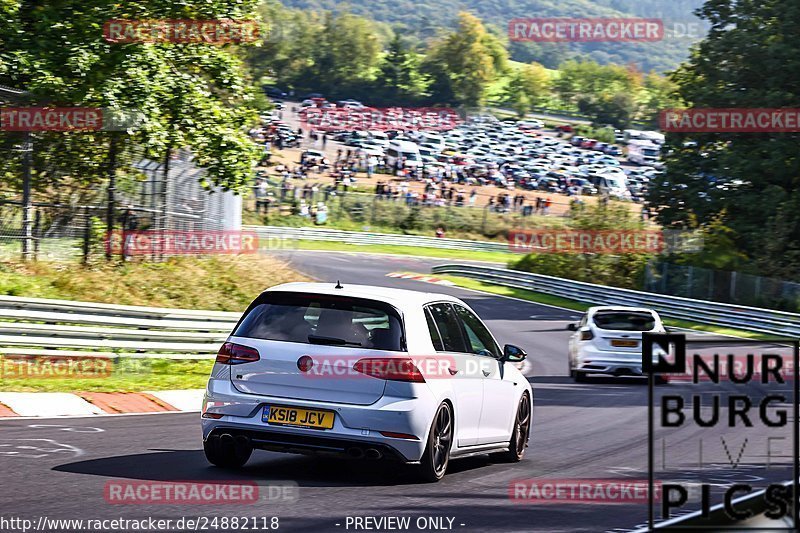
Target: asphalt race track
(59,467)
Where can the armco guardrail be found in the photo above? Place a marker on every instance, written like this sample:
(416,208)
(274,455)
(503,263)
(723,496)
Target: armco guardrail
(720,314)
(366,238)
(44,327)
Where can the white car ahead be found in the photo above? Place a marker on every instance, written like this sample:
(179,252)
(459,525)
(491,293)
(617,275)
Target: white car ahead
(608,340)
(365,372)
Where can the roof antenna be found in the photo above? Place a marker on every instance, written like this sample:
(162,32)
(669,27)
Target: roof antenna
(338,285)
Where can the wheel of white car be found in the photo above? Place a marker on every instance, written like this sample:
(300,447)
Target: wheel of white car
(519,437)
(436,457)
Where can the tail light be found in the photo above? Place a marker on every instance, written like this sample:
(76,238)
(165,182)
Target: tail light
(392,369)
(587,335)
(236,354)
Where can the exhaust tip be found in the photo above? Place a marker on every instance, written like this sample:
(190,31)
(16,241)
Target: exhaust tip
(355,453)
(373,453)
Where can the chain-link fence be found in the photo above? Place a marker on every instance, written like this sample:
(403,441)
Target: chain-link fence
(145,200)
(722,286)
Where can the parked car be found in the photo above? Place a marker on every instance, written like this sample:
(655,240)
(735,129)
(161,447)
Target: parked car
(274,92)
(583,185)
(314,156)
(548,185)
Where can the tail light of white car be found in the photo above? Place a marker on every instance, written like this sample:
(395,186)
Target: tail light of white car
(236,354)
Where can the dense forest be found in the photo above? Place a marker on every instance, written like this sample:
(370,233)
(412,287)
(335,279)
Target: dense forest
(424,21)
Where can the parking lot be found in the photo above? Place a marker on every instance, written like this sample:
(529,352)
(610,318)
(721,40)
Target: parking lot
(508,165)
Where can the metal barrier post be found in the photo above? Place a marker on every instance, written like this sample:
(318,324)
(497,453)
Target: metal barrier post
(27,238)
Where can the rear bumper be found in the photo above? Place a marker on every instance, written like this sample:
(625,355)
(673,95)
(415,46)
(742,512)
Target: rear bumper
(611,368)
(612,363)
(264,439)
(354,425)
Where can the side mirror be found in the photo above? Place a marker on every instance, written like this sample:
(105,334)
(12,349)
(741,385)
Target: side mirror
(513,354)
(572,327)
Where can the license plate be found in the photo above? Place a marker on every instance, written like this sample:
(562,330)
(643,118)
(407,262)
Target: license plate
(624,344)
(295,416)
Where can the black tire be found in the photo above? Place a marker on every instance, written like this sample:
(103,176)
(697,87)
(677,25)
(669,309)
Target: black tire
(519,437)
(578,377)
(436,456)
(227,451)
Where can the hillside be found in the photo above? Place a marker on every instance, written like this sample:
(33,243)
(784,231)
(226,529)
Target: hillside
(423,19)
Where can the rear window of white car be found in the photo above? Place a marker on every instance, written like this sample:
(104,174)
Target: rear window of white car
(323,319)
(625,320)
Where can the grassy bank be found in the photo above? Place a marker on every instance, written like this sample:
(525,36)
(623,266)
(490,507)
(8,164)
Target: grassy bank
(557,301)
(224,283)
(494,257)
(123,375)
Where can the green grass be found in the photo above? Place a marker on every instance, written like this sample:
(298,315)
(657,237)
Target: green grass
(575,305)
(123,375)
(365,213)
(223,283)
(494,257)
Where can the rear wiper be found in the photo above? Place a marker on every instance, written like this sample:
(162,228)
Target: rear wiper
(335,341)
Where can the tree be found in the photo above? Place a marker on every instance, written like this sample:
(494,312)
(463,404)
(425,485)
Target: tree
(400,78)
(346,54)
(191,95)
(284,52)
(750,59)
(660,92)
(527,87)
(465,62)
(578,80)
(616,109)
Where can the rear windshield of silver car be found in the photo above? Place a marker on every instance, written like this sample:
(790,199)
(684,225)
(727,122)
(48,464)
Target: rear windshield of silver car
(625,320)
(323,319)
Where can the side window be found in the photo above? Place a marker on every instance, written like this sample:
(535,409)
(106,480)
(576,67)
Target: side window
(449,329)
(478,337)
(436,339)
